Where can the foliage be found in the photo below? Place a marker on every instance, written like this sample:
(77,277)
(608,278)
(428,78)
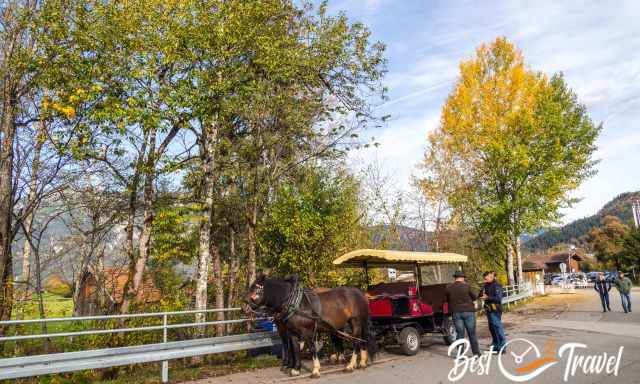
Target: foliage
(516,142)
(310,223)
(136,99)
(631,249)
(608,242)
(575,231)
(58,287)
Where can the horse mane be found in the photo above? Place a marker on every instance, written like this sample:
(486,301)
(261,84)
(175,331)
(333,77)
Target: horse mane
(277,291)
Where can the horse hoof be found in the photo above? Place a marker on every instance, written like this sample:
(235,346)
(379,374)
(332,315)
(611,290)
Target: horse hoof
(362,366)
(315,375)
(348,369)
(294,372)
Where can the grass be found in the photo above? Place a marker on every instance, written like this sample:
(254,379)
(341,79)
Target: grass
(180,370)
(54,306)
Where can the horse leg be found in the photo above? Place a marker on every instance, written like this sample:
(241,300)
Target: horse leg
(284,338)
(355,332)
(295,354)
(314,354)
(366,335)
(291,361)
(338,355)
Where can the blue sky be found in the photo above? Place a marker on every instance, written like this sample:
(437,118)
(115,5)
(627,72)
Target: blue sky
(596,45)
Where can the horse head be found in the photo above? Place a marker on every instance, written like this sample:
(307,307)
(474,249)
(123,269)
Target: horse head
(256,297)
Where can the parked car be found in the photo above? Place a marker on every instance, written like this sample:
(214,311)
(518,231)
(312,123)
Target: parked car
(548,278)
(593,276)
(578,279)
(612,276)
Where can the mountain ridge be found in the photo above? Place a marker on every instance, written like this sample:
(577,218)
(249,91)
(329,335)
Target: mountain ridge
(619,206)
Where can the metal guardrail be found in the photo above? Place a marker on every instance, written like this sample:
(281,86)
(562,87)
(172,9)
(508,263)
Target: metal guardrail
(26,366)
(513,293)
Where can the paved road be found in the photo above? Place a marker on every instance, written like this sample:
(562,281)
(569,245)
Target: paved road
(549,323)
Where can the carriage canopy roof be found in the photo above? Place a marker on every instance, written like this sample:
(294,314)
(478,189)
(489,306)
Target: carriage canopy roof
(379,256)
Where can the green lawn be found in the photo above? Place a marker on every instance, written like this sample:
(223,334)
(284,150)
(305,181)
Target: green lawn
(54,306)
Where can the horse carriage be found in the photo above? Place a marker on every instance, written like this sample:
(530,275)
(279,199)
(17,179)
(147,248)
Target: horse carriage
(413,303)
(398,312)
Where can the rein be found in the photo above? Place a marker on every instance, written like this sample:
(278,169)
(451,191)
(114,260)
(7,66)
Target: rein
(292,308)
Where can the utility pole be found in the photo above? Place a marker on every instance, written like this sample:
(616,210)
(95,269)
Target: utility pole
(635,205)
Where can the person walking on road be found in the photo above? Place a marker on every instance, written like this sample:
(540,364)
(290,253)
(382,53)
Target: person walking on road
(602,286)
(624,287)
(492,295)
(460,298)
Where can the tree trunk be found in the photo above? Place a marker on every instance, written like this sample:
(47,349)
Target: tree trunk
(510,276)
(251,238)
(28,223)
(516,250)
(219,284)
(233,273)
(7,132)
(207,155)
(138,264)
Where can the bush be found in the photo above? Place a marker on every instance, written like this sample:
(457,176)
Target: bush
(58,287)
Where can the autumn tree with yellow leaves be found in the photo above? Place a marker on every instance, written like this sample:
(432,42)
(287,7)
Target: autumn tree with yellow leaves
(513,143)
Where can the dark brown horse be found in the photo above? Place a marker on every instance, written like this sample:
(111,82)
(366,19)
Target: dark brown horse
(306,314)
(288,362)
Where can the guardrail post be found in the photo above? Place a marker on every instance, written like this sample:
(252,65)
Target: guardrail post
(165,363)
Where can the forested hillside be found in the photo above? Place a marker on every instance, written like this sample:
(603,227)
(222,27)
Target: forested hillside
(620,207)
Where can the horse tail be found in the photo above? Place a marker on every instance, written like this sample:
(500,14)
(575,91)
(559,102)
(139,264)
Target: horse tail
(369,335)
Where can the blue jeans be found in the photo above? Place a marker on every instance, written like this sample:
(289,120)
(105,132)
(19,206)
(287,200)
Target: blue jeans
(626,301)
(497,330)
(604,299)
(467,321)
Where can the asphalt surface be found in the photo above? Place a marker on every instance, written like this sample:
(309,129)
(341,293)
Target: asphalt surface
(550,323)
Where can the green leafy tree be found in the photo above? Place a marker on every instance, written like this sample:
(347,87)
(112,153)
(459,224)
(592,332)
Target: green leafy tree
(309,223)
(608,242)
(631,250)
(517,143)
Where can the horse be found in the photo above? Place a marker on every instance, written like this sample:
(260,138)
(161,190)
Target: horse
(288,363)
(305,313)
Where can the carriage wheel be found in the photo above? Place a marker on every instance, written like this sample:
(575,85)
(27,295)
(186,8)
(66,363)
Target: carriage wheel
(409,341)
(449,330)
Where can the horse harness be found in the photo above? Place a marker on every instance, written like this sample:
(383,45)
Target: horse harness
(291,307)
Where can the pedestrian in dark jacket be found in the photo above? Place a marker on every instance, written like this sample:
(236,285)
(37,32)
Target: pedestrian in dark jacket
(460,299)
(492,295)
(602,286)
(624,287)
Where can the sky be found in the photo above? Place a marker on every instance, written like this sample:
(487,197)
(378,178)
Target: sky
(595,44)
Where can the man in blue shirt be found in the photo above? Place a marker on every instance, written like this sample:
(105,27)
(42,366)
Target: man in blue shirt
(492,296)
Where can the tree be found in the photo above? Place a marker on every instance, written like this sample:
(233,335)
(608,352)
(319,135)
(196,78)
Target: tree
(516,142)
(631,250)
(309,223)
(608,242)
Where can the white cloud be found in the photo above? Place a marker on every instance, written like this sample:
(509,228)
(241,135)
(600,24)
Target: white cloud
(595,44)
